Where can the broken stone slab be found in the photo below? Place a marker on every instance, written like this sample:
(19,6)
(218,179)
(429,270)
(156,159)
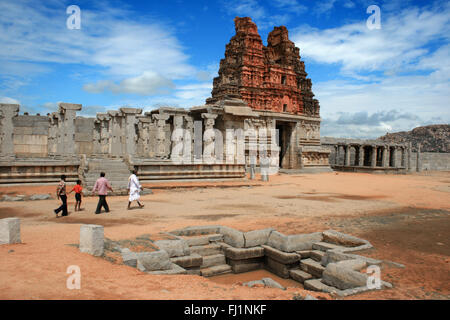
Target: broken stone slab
(207,250)
(312,267)
(280,269)
(154,261)
(280,256)
(257,237)
(213,260)
(293,243)
(232,237)
(304,254)
(92,239)
(317,285)
(253,283)
(244,253)
(334,256)
(342,239)
(216,270)
(197,230)
(40,197)
(174,269)
(317,255)
(16,198)
(175,248)
(343,278)
(10,231)
(193,260)
(299,275)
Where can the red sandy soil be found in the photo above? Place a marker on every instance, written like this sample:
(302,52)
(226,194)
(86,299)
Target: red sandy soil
(405,217)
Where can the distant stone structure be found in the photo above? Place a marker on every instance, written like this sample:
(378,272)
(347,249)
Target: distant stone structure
(259,90)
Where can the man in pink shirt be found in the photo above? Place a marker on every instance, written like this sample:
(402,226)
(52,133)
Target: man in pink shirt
(101,187)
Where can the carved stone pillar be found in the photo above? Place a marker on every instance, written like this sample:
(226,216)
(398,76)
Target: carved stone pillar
(7,113)
(419,159)
(68,113)
(347,155)
(410,156)
(177,138)
(161,119)
(188,140)
(384,157)
(403,157)
(104,120)
(394,156)
(116,133)
(373,162)
(336,155)
(361,156)
(209,153)
(96,137)
(53,133)
(130,129)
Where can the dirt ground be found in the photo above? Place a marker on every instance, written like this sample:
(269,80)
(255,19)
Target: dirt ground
(405,217)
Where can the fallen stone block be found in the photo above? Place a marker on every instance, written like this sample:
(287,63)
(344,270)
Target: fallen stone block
(244,253)
(334,256)
(92,239)
(257,237)
(10,231)
(343,278)
(193,260)
(216,270)
(254,283)
(232,237)
(353,264)
(293,242)
(16,198)
(280,269)
(207,250)
(312,267)
(280,256)
(194,271)
(175,269)
(154,261)
(213,260)
(203,240)
(174,248)
(269,282)
(299,275)
(129,257)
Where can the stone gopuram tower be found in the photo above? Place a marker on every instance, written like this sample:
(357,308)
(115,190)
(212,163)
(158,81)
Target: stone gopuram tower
(268,77)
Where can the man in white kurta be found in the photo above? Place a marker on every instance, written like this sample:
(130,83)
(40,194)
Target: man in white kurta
(134,188)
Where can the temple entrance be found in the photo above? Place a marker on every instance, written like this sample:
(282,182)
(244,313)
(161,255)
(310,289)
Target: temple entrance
(283,141)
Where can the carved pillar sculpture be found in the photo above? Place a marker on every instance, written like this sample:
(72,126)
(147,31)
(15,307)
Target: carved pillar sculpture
(68,112)
(96,137)
(409,156)
(104,120)
(8,112)
(336,155)
(394,156)
(52,142)
(161,119)
(130,129)
(403,157)
(188,139)
(209,138)
(176,153)
(384,157)
(116,130)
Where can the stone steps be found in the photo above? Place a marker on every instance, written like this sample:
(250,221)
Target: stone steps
(203,240)
(213,260)
(216,270)
(299,275)
(317,255)
(312,267)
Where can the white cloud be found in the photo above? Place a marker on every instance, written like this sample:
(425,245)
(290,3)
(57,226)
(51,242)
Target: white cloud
(127,50)
(9,100)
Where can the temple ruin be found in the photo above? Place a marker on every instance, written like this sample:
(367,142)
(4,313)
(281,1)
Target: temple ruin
(260,90)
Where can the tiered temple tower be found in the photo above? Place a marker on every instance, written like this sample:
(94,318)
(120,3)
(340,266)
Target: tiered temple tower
(268,77)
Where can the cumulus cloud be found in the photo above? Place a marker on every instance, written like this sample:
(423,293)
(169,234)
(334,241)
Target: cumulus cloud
(129,52)
(9,100)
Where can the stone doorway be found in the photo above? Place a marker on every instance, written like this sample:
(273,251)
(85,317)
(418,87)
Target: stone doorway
(283,141)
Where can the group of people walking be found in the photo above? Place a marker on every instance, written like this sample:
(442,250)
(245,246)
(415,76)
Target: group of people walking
(101,187)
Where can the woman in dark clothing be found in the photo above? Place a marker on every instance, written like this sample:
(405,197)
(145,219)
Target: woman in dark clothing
(61,194)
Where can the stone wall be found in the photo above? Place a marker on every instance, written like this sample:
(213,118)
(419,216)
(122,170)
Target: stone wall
(431,161)
(30,136)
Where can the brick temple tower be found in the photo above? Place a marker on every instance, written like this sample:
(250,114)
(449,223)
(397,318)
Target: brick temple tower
(268,77)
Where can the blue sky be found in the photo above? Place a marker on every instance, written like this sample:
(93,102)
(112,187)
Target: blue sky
(155,53)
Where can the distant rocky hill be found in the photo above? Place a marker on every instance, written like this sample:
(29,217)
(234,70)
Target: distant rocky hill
(433,138)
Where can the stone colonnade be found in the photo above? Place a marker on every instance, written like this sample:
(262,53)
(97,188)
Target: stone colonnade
(373,155)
